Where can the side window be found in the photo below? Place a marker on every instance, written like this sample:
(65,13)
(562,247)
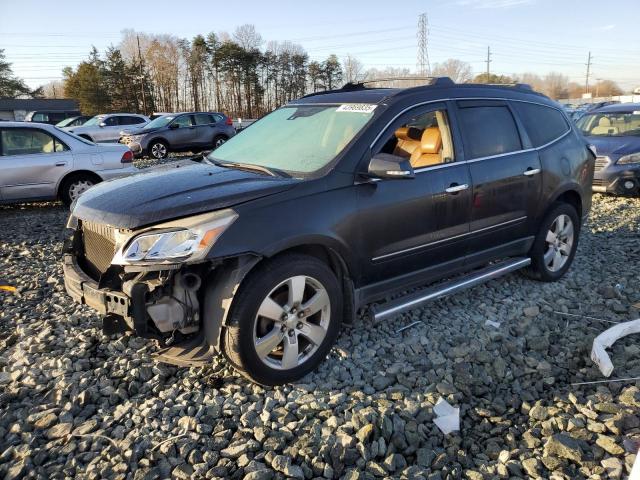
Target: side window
(183,121)
(136,120)
(424,138)
(489,130)
(57,116)
(543,124)
(217,117)
(203,119)
(29,142)
(111,121)
(40,117)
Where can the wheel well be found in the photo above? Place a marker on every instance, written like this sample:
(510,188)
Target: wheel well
(572,198)
(78,173)
(159,139)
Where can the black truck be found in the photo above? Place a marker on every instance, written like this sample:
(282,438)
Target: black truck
(326,207)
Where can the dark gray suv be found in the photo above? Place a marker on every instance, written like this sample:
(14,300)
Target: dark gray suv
(175,132)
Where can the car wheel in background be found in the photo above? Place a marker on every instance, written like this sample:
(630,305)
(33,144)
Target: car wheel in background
(555,244)
(283,320)
(158,150)
(74,186)
(219,140)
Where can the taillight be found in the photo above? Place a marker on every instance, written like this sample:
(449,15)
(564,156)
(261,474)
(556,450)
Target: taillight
(228,121)
(127,157)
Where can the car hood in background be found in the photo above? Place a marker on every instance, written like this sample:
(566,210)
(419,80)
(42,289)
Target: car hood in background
(615,146)
(172,191)
(137,130)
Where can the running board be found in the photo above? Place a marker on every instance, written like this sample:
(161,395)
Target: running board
(417,299)
(192,352)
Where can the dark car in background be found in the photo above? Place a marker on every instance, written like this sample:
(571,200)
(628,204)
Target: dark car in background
(614,130)
(179,132)
(333,202)
(74,121)
(52,117)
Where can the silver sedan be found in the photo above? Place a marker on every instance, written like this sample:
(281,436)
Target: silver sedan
(42,162)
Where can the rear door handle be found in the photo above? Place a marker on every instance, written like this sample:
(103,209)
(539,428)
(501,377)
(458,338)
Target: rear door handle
(61,164)
(531,171)
(454,188)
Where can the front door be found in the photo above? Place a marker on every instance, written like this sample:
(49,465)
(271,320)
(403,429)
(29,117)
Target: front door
(32,163)
(414,225)
(185,134)
(505,172)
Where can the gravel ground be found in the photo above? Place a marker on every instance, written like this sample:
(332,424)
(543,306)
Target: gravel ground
(74,403)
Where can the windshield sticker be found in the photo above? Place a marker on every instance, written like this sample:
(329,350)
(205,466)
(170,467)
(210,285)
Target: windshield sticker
(356,108)
(636,112)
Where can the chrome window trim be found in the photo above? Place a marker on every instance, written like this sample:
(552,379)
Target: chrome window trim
(417,247)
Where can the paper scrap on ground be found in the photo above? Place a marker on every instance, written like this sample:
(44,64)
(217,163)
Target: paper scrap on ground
(8,288)
(447,417)
(606,339)
(491,323)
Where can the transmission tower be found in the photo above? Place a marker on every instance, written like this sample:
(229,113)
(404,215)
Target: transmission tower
(423,54)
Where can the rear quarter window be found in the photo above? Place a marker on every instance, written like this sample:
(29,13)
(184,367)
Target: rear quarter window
(543,124)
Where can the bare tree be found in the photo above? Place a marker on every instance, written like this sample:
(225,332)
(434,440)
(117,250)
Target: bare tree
(556,85)
(456,70)
(247,37)
(352,68)
(54,89)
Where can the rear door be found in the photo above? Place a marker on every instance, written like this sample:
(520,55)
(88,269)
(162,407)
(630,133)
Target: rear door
(32,163)
(205,129)
(418,224)
(505,172)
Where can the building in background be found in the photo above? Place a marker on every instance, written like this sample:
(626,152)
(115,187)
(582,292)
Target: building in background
(17,108)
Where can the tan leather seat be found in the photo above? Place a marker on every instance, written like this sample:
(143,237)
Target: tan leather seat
(430,150)
(604,127)
(405,145)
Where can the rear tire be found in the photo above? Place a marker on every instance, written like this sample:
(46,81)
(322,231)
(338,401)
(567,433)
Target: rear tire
(555,244)
(218,140)
(75,185)
(283,320)
(158,150)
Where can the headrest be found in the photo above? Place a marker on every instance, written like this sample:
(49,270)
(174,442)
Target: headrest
(431,140)
(414,133)
(402,133)
(604,122)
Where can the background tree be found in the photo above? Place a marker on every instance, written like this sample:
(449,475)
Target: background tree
(492,78)
(353,69)
(457,70)
(332,72)
(10,85)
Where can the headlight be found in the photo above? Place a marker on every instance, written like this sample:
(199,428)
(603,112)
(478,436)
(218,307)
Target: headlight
(185,240)
(628,159)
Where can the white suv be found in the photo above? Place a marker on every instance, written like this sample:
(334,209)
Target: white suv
(106,128)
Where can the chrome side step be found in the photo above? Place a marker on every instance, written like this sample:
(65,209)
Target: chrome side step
(413,300)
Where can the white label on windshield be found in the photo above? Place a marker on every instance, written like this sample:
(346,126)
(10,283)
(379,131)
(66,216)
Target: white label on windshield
(636,112)
(356,108)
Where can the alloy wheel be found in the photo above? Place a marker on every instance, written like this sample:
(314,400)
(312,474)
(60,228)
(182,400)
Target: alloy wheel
(219,142)
(292,322)
(559,242)
(158,151)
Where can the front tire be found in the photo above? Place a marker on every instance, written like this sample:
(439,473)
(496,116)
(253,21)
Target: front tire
(283,320)
(158,150)
(555,244)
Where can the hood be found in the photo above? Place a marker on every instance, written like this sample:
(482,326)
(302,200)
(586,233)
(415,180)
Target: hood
(137,130)
(173,191)
(615,146)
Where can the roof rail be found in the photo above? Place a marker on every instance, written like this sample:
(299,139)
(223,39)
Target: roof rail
(521,86)
(432,81)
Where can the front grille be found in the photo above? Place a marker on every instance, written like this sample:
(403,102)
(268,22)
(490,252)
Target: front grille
(99,246)
(601,162)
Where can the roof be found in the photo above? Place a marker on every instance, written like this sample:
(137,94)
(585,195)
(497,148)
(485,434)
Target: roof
(25,124)
(617,108)
(31,104)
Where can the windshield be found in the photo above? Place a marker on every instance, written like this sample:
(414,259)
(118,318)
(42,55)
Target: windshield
(296,139)
(94,121)
(74,136)
(66,122)
(610,124)
(160,121)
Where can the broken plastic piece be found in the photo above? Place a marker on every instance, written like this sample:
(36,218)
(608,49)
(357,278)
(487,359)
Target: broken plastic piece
(608,338)
(491,323)
(8,288)
(447,417)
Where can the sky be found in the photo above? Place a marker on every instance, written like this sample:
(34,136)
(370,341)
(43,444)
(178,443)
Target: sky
(539,36)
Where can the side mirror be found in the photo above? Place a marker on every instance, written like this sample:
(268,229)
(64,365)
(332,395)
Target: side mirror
(102,124)
(173,126)
(384,165)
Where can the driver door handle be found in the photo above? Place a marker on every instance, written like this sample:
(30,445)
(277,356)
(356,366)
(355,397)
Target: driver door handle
(454,188)
(61,164)
(531,171)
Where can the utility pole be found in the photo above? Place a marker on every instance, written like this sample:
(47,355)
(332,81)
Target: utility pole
(586,81)
(423,54)
(488,62)
(144,99)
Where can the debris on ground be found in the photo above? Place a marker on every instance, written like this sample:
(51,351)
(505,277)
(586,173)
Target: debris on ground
(447,417)
(606,339)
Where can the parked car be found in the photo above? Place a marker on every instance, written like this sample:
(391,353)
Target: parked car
(74,121)
(176,132)
(50,116)
(42,162)
(327,204)
(614,130)
(106,128)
